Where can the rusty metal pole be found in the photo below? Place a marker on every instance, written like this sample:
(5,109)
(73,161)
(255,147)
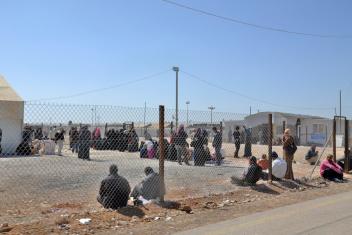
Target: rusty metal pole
(347,150)
(162,147)
(334,139)
(270,145)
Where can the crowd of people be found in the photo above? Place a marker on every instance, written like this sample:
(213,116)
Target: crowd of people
(115,190)
(81,140)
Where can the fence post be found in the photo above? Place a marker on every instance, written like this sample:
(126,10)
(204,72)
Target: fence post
(270,144)
(162,147)
(347,151)
(334,138)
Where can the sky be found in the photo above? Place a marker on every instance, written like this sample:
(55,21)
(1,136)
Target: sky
(60,48)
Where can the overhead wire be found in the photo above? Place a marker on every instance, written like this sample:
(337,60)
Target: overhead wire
(250,97)
(126,83)
(258,26)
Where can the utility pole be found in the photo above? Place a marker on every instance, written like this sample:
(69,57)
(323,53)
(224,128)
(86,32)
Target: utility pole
(145,114)
(187,103)
(92,117)
(176,69)
(95,115)
(211,114)
(250,110)
(340,111)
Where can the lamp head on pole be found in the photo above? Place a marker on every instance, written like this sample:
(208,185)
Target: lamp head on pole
(187,102)
(176,69)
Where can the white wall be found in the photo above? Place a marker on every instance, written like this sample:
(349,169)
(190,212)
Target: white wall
(11,123)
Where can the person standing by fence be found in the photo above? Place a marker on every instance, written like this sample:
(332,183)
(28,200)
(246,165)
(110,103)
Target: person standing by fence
(217,144)
(237,138)
(74,136)
(198,143)
(248,142)
(59,139)
(181,145)
(289,148)
(84,143)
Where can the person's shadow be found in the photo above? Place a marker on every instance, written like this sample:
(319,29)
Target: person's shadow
(131,211)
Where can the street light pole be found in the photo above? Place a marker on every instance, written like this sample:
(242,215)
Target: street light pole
(187,103)
(92,117)
(211,114)
(176,69)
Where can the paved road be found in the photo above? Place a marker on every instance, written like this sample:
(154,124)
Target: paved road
(328,215)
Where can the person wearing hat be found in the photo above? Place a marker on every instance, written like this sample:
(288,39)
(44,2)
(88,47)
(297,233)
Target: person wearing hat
(251,175)
(114,190)
(150,188)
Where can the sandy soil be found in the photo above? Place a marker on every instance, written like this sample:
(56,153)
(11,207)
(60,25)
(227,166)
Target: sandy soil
(186,214)
(57,212)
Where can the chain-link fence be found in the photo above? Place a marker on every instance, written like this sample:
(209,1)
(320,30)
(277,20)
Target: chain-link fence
(58,153)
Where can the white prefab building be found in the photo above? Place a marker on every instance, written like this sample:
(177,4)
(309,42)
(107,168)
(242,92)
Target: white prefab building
(305,128)
(11,118)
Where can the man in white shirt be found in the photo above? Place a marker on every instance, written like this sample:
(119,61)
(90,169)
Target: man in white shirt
(279,167)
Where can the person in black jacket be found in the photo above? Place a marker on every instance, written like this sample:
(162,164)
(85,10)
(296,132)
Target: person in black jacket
(251,175)
(217,144)
(114,190)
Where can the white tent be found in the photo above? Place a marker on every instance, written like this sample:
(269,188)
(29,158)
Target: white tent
(11,117)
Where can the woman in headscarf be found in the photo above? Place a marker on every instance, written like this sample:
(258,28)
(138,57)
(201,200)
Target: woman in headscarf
(181,145)
(84,143)
(248,142)
(330,170)
(289,148)
(198,143)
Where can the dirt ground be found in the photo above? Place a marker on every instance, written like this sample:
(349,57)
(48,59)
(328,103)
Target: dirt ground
(189,211)
(178,215)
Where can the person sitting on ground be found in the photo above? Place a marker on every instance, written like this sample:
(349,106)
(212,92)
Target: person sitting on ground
(341,161)
(330,170)
(251,175)
(150,188)
(114,190)
(263,162)
(279,168)
(312,155)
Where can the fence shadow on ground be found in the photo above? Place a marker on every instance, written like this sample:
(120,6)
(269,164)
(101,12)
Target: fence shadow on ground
(263,188)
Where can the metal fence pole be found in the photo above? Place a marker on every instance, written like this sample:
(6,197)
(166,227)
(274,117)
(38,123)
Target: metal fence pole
(347,151)
(162,147)
(334,139)
(270,144)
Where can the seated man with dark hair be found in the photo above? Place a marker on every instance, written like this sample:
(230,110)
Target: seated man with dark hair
(114,190)
(150,188)
(251,175)
(312,155)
